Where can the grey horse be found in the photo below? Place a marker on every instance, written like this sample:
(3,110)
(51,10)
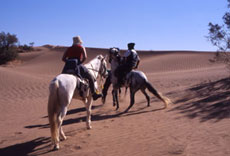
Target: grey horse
(135,80)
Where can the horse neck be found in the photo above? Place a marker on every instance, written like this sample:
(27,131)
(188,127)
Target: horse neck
(114,64)
(94,67)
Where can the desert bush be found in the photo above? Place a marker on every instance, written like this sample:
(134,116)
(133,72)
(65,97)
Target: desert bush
(8,55)
(25,48)
(8,49)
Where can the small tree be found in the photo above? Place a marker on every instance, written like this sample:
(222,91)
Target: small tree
(7,40)
(219,35)
(8,51)
(31,44)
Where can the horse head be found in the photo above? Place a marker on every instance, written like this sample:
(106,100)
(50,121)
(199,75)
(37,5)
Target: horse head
(114,53)
(103,67)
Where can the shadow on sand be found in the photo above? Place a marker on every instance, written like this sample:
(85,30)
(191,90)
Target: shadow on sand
(27,148)
(94,117)
(72,111)
(210,100)
(41,145)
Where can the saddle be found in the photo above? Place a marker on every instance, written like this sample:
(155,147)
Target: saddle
(82,87)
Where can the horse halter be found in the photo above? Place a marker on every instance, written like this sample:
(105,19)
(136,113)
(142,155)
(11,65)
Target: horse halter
(113,52)
(103,69)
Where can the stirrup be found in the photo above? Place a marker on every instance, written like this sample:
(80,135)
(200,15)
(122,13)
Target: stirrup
(96,96)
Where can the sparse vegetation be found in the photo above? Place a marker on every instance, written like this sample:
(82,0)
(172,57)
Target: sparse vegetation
(219,35)
(25,48)
(9,49)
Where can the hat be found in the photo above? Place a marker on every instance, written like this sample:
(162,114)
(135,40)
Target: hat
(131,45)
(77,40)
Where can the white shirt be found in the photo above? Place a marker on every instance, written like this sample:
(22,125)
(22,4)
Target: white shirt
(128,52)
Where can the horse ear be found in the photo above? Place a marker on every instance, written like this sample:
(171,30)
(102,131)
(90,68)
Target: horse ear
(100,57)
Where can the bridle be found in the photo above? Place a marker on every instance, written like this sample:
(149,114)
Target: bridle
(114,53)
(102,70)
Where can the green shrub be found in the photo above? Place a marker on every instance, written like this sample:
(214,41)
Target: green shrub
(8,55)
(8,49)
(23,48)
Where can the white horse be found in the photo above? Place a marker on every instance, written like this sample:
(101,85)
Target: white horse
(135,80)
(63,88)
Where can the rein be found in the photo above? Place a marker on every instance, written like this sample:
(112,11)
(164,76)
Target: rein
(99,74)
(94,70)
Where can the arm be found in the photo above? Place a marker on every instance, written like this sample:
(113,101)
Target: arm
(64,56)
(138,61)
(84,55)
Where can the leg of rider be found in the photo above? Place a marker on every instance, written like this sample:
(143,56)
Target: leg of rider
(106,85)
(69,65)
(85,74)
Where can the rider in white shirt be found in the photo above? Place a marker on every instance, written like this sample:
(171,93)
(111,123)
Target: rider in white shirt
(130,61)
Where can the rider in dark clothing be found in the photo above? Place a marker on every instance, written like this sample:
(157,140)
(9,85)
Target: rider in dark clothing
(73,57)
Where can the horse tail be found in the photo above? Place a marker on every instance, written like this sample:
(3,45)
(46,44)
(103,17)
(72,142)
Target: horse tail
(53,104)
(158,94)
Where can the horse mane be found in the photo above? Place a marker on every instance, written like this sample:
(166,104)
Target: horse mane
(98,57)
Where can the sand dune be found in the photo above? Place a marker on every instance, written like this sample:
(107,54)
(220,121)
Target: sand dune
(197,123)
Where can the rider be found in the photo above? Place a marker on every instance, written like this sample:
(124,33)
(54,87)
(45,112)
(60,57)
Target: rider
(73,57)
(130,61)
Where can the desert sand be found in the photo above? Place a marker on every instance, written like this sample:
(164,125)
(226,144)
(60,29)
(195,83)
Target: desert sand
(197,123)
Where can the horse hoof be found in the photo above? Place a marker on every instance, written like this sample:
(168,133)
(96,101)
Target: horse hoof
(166,106)
(56,147)
(89,127)
(63,138)
(103,100)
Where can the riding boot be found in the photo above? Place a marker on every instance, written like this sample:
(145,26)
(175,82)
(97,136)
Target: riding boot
(96,96)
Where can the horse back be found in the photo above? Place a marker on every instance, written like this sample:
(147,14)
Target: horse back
(135,78)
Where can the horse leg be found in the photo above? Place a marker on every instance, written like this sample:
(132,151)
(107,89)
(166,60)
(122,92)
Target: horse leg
(132,100)
(57,139)
(60,121)
(115,98)
(126,89)
(53,111)
(106,87)
(147,96)
(119,91)
(88,105)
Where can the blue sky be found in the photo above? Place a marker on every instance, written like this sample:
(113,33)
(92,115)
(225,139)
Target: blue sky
(151,24)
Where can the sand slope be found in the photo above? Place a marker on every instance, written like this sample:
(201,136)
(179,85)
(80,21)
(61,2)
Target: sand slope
(197,123)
